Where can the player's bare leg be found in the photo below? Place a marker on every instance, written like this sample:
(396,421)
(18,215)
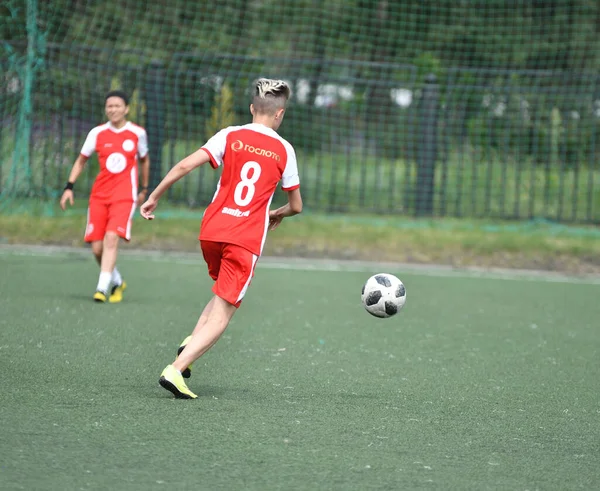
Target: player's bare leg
(117,282)
(97,251)
(187,372)
(206,335)
(110,246)
(110,249)
(204,316)
(99,296)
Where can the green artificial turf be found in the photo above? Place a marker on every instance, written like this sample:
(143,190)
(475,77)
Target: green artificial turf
(479,383)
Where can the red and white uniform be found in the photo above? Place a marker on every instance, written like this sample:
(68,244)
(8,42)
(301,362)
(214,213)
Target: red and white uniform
(254,159)
(114,193)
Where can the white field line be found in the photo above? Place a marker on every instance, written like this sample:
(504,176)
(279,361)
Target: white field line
(314,264)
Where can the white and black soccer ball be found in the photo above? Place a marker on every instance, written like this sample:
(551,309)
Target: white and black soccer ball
(383,295)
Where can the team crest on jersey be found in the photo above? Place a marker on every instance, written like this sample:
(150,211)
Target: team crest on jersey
(116,162)
(128,145)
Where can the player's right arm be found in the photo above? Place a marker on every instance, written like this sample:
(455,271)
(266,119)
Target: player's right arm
(184,167)
(291,208)
(89,147)
(76,171)
(290,182)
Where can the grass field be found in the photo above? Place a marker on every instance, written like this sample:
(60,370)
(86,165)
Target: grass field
(479,383)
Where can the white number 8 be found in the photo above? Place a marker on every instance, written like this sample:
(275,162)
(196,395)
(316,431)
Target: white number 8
(247,182)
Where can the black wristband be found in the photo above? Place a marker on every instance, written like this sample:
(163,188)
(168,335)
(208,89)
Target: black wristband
(69,185)
(144,188)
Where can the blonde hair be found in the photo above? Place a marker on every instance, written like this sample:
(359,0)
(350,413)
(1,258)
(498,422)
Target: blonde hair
(270,95)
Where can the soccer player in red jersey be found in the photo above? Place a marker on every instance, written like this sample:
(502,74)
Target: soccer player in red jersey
(234,227)
(114,195)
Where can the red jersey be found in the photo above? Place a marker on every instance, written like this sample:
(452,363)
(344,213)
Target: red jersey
(254,159)
(118,151)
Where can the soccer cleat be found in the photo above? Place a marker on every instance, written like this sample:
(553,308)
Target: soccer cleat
(172,380)
(100,297)
(116,294)
(187,373)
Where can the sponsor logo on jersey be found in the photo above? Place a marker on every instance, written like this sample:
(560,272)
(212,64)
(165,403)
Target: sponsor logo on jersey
(128,145)
(116,162)
(234,212)
(238,145)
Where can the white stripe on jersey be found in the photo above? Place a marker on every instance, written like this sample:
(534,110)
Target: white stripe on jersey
(134,184)
(87,222)
(264,237)
(243,292)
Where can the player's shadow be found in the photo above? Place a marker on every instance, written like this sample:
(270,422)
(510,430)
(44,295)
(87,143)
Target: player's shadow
(218,391)
(87,298)
(79,296)
(211,391)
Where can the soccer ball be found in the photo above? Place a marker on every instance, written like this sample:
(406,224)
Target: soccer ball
(383,295)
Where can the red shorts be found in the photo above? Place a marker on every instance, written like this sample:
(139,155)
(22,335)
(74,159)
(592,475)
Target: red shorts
(232,268)
(109,217)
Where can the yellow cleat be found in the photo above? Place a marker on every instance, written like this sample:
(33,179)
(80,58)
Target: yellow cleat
(116,294)
(172,380)
(187,373)
(99,297)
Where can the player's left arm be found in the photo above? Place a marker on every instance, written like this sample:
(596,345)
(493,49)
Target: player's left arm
(291,208)
(183,167)
(145,178)
(290,184)
(144,161)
